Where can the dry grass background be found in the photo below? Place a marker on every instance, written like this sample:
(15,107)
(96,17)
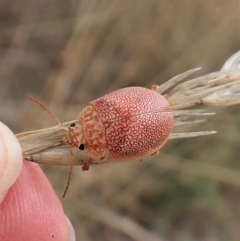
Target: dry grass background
(67,53)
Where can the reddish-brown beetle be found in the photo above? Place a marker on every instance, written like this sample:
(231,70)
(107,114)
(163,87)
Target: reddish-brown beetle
(129,123)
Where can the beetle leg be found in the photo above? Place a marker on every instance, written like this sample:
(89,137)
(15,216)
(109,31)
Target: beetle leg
(154,87)
(72,151)
(86,166)
(155,153)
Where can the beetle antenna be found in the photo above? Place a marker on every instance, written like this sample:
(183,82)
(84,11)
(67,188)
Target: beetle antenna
(47,110)
(70,174)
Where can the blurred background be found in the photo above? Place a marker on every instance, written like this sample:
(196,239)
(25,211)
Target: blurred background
(67,53)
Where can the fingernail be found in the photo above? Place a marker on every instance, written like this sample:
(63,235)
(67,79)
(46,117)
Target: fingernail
(71,233)
(11,160)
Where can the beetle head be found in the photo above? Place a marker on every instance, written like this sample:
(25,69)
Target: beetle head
(75,136)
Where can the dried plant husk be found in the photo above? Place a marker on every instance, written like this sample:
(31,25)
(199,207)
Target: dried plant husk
(188,100)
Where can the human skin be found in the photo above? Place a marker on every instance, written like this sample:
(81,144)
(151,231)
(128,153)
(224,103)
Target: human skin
(31,210)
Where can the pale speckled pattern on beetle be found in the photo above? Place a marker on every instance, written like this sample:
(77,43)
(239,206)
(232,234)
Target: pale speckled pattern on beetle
(126,124)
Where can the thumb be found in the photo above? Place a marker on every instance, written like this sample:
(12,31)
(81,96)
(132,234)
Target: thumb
(31,210)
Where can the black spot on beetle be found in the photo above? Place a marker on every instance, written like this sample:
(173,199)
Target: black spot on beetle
(72,125)
(81,147)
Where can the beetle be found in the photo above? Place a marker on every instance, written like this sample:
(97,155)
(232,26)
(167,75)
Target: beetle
(129,123)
